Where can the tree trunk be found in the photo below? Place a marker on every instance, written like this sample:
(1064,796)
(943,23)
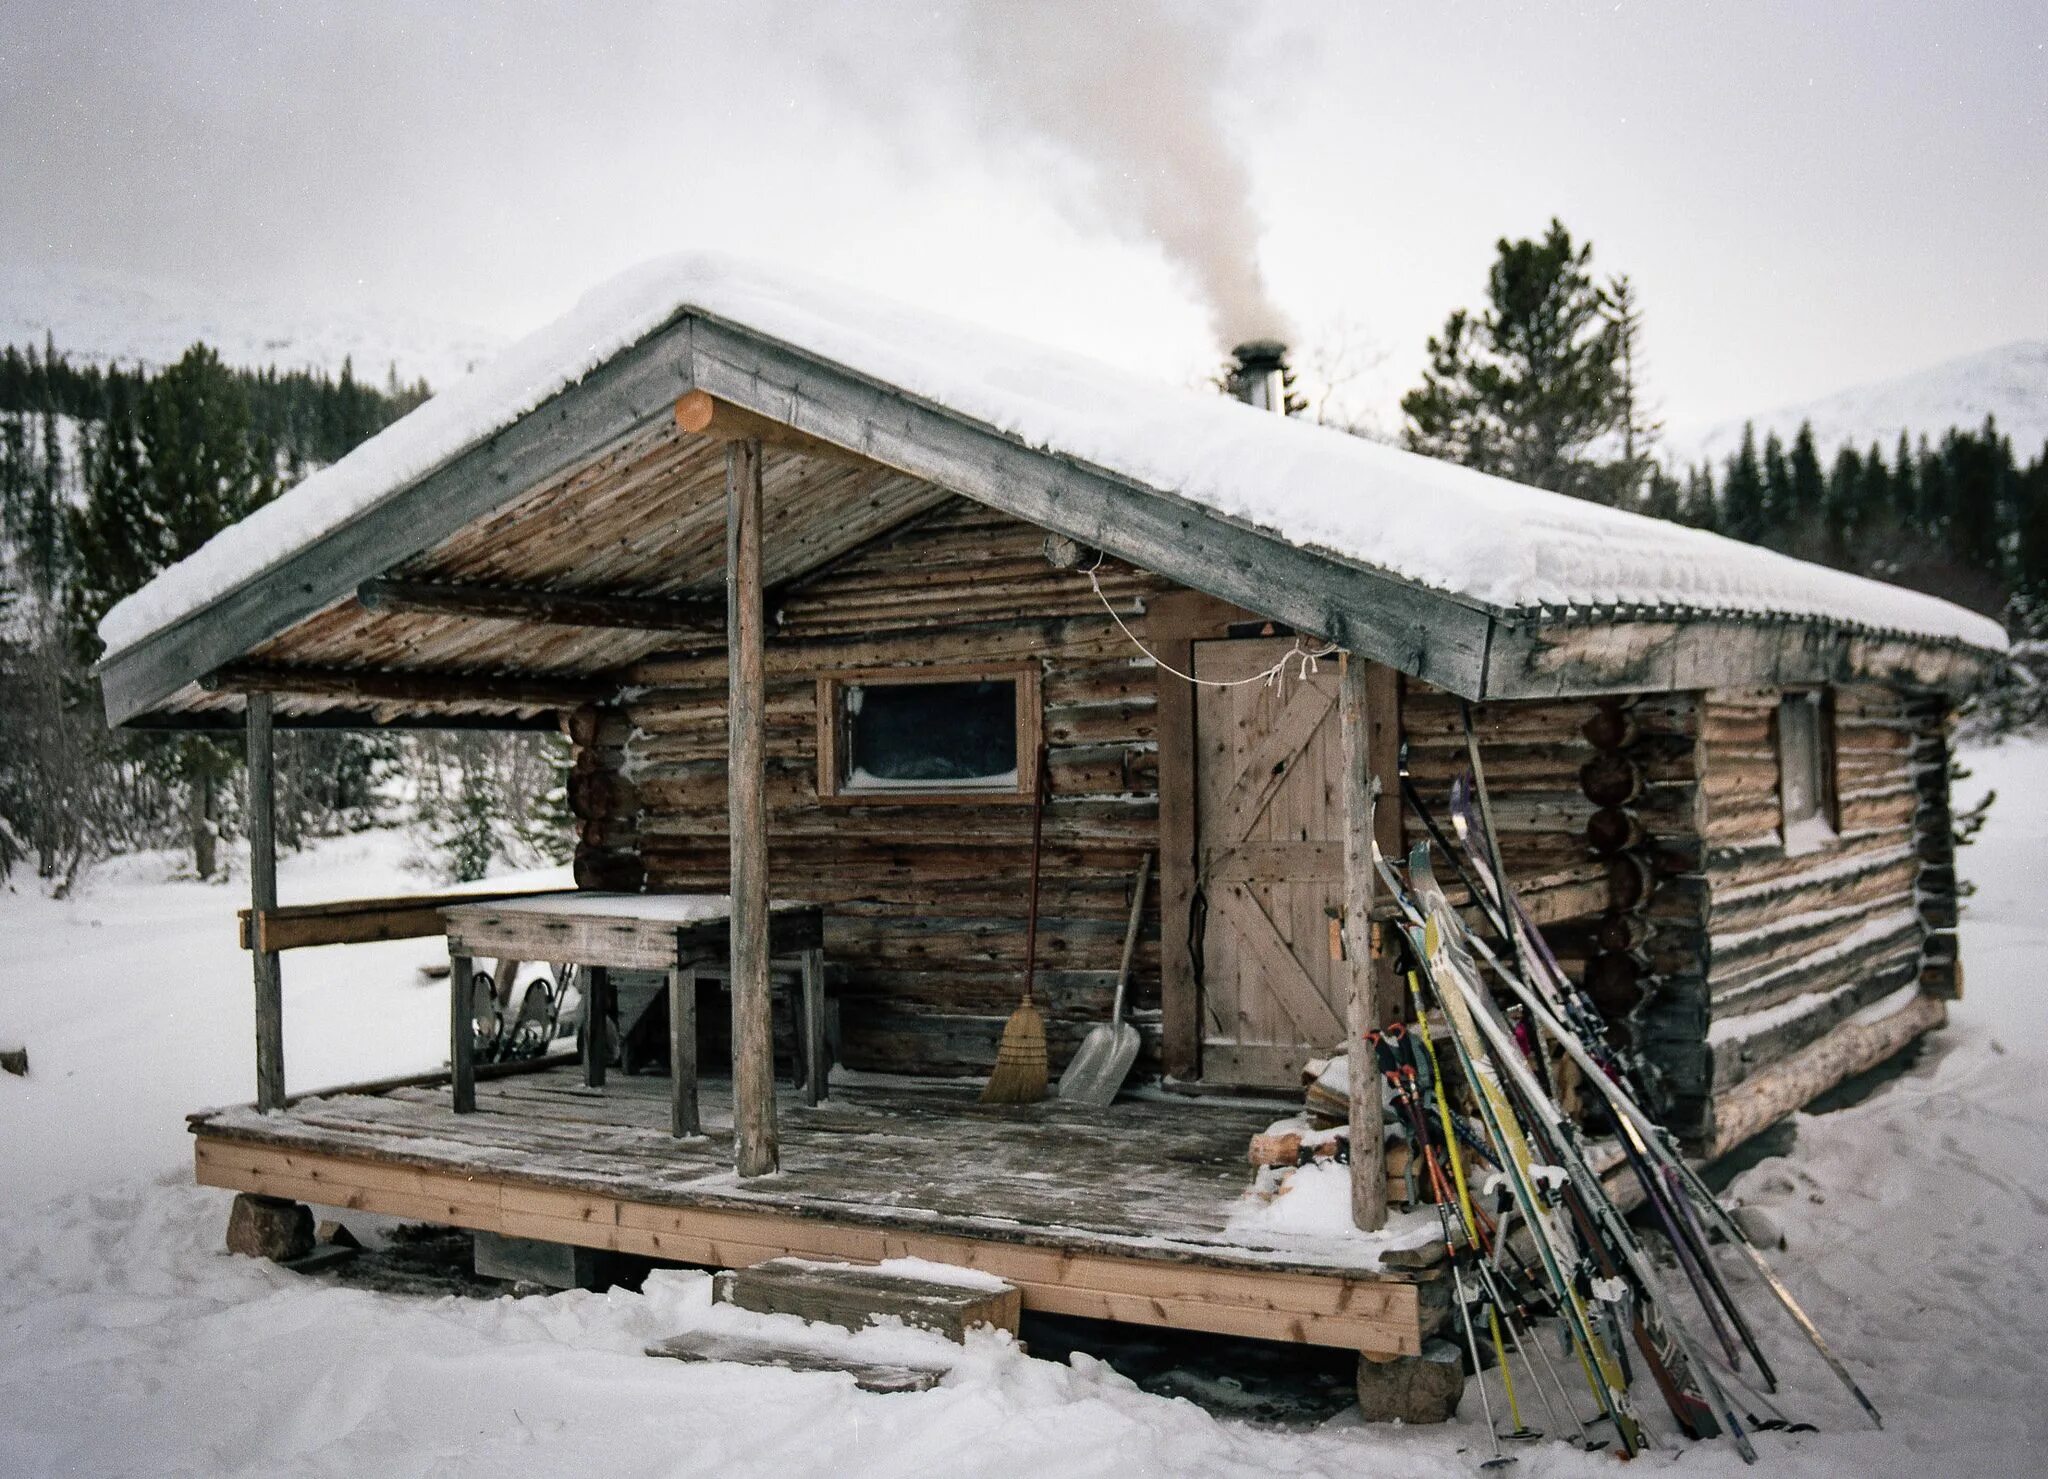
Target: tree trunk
(200,810)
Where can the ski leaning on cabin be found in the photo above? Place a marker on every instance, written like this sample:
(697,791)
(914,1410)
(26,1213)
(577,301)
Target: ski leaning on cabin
(1554,1243)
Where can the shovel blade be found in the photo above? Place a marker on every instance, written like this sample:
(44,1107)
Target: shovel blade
(1100,1065)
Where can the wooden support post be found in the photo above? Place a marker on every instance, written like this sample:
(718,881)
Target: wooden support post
(1383,770)
(1368,1147)
(262,899)
(816,1054)
(753,1031)
(682,1051)
(597,1025)
(461,1033)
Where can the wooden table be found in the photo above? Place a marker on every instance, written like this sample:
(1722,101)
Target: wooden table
(683,935)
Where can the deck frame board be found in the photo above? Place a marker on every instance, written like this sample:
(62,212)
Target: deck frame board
(1115,1215)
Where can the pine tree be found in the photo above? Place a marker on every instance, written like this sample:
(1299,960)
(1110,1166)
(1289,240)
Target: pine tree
(1527,387)
(1806,484)
(1979,469)
(1874,506)
(1931,486)
(2030,509)
(1843,516)
(1777,491)
(176,462)
(1637,475)
(1745,509)
(1701,509)
(1905,485)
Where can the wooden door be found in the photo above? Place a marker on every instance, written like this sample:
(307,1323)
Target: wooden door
(1270,865)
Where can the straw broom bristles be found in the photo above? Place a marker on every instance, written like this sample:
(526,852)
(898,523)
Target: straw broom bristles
(1019,1075)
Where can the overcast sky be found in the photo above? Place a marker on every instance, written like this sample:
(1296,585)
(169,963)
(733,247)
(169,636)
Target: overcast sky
(1807,194)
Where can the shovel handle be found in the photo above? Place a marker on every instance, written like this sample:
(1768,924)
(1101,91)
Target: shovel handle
(1123,973)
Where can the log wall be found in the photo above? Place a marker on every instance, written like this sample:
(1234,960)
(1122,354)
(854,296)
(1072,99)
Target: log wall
(1642,831)
(925,902)
(1800,943)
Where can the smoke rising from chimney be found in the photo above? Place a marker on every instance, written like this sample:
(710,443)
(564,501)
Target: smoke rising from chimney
(1131,88)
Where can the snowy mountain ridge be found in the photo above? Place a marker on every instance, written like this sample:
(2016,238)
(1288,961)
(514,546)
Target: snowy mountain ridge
(101,317)
(2009,382)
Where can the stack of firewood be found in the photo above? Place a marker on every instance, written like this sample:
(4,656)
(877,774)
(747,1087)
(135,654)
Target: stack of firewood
(1322,1133)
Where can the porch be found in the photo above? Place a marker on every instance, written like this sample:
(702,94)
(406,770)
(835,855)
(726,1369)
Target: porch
(1123,1213)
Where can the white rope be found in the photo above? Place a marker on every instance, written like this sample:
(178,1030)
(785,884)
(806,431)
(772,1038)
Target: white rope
(1304,661)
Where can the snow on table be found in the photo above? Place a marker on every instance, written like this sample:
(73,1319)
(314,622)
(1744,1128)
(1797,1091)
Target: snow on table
(1497,543)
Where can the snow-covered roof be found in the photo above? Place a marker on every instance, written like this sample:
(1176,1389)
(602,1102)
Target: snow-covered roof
(1495,544)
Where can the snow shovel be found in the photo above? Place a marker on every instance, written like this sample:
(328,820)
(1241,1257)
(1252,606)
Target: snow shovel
(1100,1064)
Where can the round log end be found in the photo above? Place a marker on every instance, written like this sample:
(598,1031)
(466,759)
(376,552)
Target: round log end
(1610,779)
(1612,830)
(1614,980)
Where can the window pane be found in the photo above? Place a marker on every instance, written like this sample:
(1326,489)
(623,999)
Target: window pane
(1798,757)
(931,736)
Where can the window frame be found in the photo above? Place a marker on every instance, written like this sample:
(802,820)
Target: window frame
(833,747)
(1797,839)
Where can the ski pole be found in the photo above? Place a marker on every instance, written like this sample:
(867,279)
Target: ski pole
(1610,1388)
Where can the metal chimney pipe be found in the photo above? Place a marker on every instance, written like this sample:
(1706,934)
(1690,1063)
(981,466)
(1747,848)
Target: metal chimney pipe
(1260,378)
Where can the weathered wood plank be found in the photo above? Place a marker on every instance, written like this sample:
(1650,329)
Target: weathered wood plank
(703,615)
(397,685)
(1362,1005)
(753,1036)
(262,899)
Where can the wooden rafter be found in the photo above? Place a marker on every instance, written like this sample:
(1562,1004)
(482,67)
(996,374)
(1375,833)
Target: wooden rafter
(721,421)
(514,690)
(700,614)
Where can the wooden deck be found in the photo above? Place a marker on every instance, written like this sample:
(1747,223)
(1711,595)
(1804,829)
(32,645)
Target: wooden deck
(1121,1213)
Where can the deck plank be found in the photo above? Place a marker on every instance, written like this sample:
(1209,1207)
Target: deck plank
(1148,1180)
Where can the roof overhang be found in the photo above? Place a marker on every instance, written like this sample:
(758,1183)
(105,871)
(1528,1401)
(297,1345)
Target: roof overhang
(1448,640)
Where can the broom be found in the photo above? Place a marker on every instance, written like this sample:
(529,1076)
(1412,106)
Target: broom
(1019,1074)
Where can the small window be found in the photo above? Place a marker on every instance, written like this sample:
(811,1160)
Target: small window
(948,734)
(1806,771)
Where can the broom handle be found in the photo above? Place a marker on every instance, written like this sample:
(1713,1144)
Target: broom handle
(1123,971)
(1037,842)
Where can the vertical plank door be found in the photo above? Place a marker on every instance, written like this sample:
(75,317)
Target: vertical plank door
(1270,854)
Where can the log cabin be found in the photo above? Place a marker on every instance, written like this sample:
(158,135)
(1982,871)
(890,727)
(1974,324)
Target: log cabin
(835,599)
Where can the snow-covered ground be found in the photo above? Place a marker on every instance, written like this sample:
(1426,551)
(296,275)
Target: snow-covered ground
(130,1343)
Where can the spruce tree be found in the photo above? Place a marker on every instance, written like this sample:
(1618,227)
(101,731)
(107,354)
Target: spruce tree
(1745,510)
(1843,516)
(1905,484)
(176,461)
(1979,468)
(1700,509)
(1528,386)
(2030,517)
(1637,475)
(1873,493)
(1806,484)
(1777,491)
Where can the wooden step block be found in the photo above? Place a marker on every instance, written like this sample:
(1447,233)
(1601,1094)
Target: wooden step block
(746,1350)
(531,1261)
(854,1296)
